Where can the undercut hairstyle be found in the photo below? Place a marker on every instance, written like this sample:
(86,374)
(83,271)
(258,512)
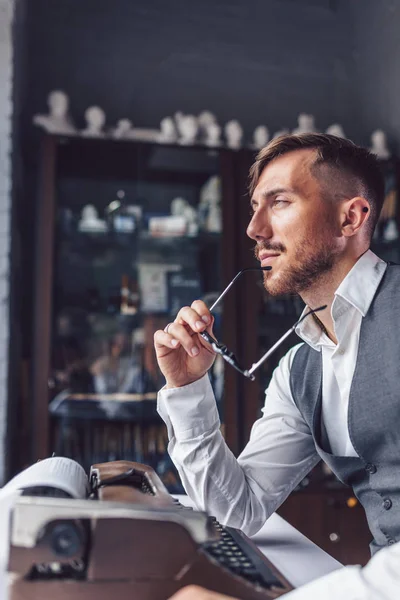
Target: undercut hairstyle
(343,169)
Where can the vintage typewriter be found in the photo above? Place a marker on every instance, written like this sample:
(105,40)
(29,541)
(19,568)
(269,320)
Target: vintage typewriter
(129,539)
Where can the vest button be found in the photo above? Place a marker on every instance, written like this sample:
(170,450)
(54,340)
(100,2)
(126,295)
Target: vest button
(370,468)
(387,503)
(391,542)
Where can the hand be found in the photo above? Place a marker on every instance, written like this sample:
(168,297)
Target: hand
(182,354)
(195,592)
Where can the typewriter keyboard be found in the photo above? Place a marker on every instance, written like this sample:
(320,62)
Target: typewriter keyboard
(233,552)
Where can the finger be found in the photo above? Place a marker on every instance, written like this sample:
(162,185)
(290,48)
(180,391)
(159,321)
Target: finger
(188,316)
(188,342)
(202,310)
(163,339)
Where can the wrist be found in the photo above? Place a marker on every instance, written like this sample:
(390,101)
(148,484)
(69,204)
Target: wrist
(171,384)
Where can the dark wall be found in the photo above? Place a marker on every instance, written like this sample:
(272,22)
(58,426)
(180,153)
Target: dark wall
(260,61)
(377,66)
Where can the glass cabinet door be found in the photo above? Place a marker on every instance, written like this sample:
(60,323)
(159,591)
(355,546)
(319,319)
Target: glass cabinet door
(138,235)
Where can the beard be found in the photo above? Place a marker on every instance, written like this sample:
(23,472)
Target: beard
(311,265)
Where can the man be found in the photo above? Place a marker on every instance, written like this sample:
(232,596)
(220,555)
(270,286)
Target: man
(315,201)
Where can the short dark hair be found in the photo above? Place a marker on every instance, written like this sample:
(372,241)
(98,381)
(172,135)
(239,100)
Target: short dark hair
(354,170)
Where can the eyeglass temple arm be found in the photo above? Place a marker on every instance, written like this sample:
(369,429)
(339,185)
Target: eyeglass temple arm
(254,366)
(228,287)
(221,348)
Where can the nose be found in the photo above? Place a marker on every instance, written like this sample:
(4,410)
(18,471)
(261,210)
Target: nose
(259,227)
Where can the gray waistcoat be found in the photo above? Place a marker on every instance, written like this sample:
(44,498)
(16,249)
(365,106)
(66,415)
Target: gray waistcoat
(374,412)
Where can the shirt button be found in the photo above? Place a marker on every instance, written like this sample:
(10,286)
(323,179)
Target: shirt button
(370,468)
(341,351)
(387,504)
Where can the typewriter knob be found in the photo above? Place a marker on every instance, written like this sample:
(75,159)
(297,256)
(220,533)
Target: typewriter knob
(66,539)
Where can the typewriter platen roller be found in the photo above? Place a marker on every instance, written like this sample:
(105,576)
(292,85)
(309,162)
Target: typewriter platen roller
(129,540)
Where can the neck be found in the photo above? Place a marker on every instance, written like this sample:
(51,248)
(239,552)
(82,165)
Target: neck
(323,292)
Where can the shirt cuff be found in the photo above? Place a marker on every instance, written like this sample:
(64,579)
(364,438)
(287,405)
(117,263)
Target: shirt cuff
(188,411)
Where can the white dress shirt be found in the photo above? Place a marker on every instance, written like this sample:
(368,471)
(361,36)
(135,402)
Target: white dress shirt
(379,580)
(243,492)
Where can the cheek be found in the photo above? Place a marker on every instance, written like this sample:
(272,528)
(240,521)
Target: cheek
(290,228)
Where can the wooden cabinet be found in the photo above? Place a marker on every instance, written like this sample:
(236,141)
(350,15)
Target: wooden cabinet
(126,234)
(333,519)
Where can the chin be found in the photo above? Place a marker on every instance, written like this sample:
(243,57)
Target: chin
(274,286)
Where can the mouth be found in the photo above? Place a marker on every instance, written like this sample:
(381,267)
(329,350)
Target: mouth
(266,258)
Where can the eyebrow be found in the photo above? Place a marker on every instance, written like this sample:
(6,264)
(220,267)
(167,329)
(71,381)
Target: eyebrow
(271,193)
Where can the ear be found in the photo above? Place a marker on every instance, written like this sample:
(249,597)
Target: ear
(354,215)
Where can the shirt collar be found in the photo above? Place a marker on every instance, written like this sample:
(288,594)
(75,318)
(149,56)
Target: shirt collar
(357,289)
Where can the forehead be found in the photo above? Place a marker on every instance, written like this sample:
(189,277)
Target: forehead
(290,171)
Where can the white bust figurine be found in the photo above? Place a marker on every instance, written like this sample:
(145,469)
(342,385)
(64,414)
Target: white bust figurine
(260,137)
(206,118)
(212,135)
(379,144)
(167,131)
(187,128)
(280,133)
(122,129)
(58,120)
(90,221)
(205,121)
(305,124)
(177,206)
(95,118)
(233,134)
(181,208)
(214,217)
(336,129)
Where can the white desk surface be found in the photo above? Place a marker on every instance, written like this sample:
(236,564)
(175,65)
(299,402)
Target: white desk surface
(297,557)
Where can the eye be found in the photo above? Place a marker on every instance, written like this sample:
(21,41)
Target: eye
(280,202)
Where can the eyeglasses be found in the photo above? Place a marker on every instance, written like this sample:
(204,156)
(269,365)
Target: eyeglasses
(227,355)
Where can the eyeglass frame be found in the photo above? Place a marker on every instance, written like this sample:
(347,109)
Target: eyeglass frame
(227,355)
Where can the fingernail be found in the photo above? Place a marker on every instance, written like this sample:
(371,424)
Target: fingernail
(199,324)
(174,342)
(206,319)
(194,351)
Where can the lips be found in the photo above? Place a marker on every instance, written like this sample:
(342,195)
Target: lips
(266,258)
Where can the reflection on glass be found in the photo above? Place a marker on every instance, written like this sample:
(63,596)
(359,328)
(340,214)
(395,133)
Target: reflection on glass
(131,248)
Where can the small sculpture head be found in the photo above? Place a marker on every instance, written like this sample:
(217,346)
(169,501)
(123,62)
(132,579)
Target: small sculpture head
(124,125)
(233,132)
(206,118)
(337,130)
(188,127)
(306,122)
(58,103)
(261,136)
(213,133)
(177,206)
(89,213)
(378,139)
(167,127)
(95,117)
